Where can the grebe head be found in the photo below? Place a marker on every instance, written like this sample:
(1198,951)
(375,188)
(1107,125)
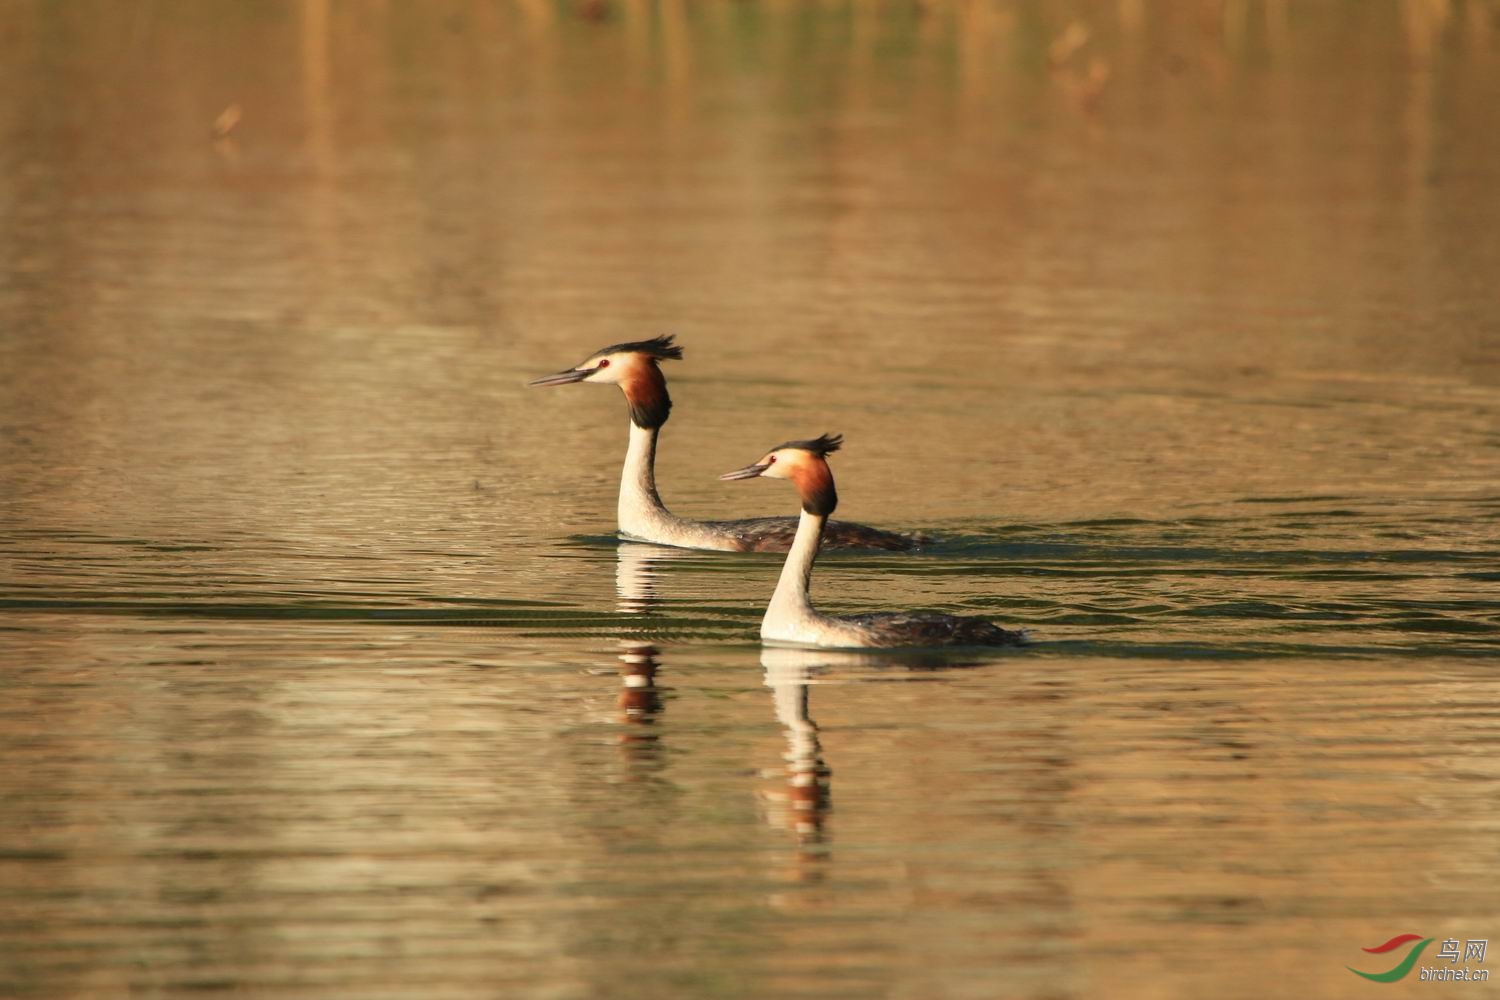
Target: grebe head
(805,463)
(632,367)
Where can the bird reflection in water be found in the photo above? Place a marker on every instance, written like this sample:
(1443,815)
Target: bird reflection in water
(802,799)
(639,702)
(802,804)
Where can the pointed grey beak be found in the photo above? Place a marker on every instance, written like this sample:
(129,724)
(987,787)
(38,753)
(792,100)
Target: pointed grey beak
(563,378)
(748,472)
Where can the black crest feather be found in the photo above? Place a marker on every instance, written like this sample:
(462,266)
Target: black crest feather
(821,446)
(660,348)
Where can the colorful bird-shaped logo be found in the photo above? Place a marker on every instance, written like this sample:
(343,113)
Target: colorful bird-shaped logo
(1402,967)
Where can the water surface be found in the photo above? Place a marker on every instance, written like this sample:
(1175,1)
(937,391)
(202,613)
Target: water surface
(325,676)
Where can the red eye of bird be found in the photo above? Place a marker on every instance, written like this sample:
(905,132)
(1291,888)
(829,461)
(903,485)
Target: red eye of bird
(771,460)
(604,363)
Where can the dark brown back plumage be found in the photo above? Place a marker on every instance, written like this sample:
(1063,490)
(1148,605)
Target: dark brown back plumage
(915,628)
(775,534)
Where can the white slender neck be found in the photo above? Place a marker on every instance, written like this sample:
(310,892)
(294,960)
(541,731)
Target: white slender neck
(792,600)
(641,514)
(638,496)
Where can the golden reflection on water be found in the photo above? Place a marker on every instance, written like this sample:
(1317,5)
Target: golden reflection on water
(1174,321)
(1241,272)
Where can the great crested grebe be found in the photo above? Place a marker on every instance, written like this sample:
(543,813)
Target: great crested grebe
(642,516)
(791,617)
